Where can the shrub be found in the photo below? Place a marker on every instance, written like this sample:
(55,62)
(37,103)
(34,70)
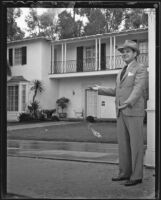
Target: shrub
(55,118)
(49,112)
(33,108)
(25,117)
(90,119)
(62,102)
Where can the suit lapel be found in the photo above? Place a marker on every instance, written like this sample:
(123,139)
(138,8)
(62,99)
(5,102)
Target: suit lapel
(128,70)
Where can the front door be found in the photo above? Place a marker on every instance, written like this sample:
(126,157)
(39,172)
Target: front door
(91,103)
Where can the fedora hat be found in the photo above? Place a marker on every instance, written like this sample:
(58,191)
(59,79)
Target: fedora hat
(130,44)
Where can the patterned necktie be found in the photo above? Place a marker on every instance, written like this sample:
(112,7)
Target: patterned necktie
(123,72)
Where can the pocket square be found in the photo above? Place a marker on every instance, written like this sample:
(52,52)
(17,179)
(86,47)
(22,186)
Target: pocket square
(130,74)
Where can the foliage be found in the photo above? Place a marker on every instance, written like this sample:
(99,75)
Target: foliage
(41,25)
(55,118)
(136,18)
(96,24)
(70,23)
(90,119)
(67,27)
(14,32)
(113,18)
(33,109)
(25,117)
(49,112)
(62,102)
(37,86)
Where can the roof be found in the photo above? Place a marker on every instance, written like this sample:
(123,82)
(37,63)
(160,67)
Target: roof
(125,32)
(28,40)
(17,79)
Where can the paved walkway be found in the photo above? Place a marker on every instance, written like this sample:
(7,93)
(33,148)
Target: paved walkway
(49,173)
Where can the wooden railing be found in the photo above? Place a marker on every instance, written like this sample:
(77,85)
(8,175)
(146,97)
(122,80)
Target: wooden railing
(89,65)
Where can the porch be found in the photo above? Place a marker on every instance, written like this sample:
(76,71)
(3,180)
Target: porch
(96,53)
(89,65)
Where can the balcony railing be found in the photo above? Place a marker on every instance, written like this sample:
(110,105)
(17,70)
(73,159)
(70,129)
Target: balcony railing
(89,65)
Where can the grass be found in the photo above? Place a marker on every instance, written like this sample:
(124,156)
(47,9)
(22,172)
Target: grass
(78,132)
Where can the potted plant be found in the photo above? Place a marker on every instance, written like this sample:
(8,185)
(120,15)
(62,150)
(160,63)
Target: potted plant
(62,103)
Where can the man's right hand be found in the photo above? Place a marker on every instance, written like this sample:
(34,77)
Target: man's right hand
(96,87)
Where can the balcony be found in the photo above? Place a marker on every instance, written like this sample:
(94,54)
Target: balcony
(89,65)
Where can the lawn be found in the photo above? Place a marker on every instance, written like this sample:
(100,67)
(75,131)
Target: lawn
(78,132)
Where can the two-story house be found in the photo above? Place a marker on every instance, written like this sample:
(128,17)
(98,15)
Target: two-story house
(68,68)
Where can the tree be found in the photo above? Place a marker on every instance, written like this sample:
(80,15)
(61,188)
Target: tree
(113,18)
(13,31)
(66,25)
(96,24)
(34,105)
(135,18)
(33,22)
(41,25)
(36,87)
(62,102)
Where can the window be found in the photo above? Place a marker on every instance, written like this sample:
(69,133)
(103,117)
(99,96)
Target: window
(23,97)
(20,56)
(143,46)
(12,94)
(90,58)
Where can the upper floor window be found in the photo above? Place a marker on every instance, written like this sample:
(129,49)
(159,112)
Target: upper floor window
(143,46)
(19,57)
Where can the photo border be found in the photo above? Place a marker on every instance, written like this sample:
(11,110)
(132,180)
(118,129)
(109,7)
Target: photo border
(68,4)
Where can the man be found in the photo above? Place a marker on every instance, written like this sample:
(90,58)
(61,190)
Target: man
(131,84)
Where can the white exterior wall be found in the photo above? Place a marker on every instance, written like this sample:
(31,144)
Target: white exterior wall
(32,70)
(49,96)
(37,67)
(74,89)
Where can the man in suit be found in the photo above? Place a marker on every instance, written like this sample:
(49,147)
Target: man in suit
(131,84)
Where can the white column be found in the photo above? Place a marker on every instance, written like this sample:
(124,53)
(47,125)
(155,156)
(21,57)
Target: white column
(114,44)
(150,152)
(53,59)
(65,57)
(62,58)
(96,50)
(110,52)
(99,66)
(51,67)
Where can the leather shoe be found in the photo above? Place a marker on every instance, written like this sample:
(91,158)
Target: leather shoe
(120,178)
(133,182)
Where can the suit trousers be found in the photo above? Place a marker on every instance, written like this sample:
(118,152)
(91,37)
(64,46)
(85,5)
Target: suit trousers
(131,146)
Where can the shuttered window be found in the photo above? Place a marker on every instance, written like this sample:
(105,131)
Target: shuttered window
(20,56)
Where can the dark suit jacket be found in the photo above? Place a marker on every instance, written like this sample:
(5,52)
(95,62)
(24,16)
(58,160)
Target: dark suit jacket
(131,89)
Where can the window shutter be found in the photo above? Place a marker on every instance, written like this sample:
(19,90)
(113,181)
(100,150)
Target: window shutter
(79,59)
(103,56)
(24,55)
(11,57)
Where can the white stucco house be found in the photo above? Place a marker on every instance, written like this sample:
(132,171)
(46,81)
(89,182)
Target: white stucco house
(67,68)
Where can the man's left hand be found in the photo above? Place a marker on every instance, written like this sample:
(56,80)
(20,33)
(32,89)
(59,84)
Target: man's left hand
(122,106)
